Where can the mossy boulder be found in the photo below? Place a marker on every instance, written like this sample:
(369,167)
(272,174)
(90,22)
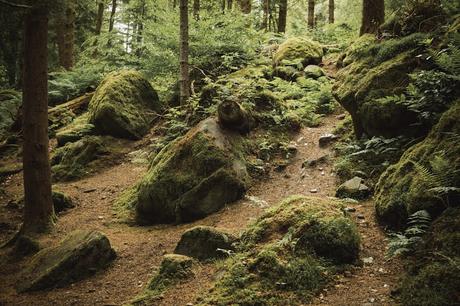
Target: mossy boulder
(435,279)
(75,131)
(204,243)
(10,102)
(124,105)
(79,255)
(359,86)
(174,268)
(297,50)
(417,180)
(191,178)
(287,255)
(61,201)
(313,71)
(354,189)
(74,160)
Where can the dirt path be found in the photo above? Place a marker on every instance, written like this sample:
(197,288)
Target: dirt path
(140,249)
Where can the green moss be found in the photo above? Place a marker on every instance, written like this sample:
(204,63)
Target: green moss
(173,269)
(124,105)
(404,188)
(75,130)
(79,255)
(296,48)
(192,177)
(287,255)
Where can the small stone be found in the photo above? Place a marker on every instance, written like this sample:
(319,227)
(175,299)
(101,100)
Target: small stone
(322,173)
(368,260)
(350,209)
(341,116)
(100,217)
(360,217)
(348,274)
(326,139)
(354,189)
(381,270)
(385,285)
(372,300)
(313,190)
(89,190)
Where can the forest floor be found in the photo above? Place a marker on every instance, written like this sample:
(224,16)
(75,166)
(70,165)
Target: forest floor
(140,249)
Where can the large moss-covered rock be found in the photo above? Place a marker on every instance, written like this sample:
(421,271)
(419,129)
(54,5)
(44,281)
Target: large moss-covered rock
(435,278)
(297,50)
(75,131)
(124,105)
(74,160)
(192,177)
(173,269)
(204,243)
(410,185)
(79,255)
(287,255)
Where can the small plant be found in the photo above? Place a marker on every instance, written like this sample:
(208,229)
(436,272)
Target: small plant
(403,244)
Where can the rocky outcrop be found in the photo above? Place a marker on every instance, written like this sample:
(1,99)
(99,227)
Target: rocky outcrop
(354,189)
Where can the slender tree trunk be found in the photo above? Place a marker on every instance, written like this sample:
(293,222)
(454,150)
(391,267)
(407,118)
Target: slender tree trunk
(331,11)
(266,9)
(112,15)
(140,25)
(245,6)
(196,9)
(229,5)
(100,17)
(223,6)
(174,4)
(65,29)
(373,16)
(38,206)
(311,14)
(282,16)
(183,50)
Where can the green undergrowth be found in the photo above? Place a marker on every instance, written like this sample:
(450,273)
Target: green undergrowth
(287,255)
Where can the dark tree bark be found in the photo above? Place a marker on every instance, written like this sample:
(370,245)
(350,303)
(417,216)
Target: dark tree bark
(331,11)
(38,206)
(223,6)
(65,29)
(100,17)
(184,51)
(311,14)
(196,9)
(140,24)
(229,5)
(282,16)
(245,6)
(373,16)
(112,15)
(266,16)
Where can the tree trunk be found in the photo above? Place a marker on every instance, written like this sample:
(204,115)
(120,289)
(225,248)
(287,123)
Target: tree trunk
(282,16)
(140,25)
(266,9)
(112,15)
(373,16)
(196,9)
(229,5)
(38,206)
(184,70)
(223,6)
(100,17)
(66,36)
(331,11)
(245,6)
(311,14)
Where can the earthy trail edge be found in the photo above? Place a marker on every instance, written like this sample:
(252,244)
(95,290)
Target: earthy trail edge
(140,249)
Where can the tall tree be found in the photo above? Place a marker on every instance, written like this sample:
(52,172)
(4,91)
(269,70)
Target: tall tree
(183,52)
(311,14)
(65,30)
(100,16)
(38,207)
(196,9)
(266,16)
(282,16)
(245,6)
(229,5)
(373,16)
(331,11)
(112,15)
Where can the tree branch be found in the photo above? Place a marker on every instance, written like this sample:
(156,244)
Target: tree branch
(15,5)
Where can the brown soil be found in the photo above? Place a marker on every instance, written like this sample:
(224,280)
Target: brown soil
(140,249)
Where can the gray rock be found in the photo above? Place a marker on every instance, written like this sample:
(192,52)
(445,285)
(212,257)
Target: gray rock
(313,162)
(204,243)
(79,255)
(354,189)
(326,139)
(313,71)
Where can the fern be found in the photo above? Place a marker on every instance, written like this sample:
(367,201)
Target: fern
(403,244)
(449,59)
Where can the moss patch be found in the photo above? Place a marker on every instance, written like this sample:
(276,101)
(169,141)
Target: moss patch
(287,255)
(124,105)
(407,186)
(298,50)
